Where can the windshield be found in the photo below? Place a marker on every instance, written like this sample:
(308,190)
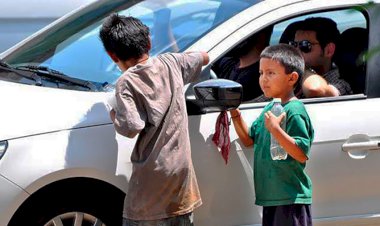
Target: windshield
(75,49)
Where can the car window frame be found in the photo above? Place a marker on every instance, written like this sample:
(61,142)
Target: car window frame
(373,67)
(278,15)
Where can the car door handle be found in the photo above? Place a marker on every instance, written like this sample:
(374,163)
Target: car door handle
(361,146)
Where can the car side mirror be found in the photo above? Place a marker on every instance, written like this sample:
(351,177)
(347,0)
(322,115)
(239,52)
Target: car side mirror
(217,95)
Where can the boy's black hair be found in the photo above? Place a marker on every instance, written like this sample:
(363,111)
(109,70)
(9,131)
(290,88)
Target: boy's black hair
(325,28)
(288,56)
(126,37)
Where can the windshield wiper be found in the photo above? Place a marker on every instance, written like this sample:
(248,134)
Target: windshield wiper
(4,64)
(51,73)
(30,75)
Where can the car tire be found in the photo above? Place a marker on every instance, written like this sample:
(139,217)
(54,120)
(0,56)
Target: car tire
(76,218)
(100,203)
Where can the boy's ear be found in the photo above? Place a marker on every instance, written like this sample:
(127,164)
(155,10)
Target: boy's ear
(113,56)
(293,78)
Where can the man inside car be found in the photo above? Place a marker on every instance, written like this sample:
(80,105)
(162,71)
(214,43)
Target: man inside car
(317,37)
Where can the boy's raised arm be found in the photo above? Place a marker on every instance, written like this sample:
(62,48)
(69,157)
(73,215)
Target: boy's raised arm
(241,128)
(272,123)
(206,58)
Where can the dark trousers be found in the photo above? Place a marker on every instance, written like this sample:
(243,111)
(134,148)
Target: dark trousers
(182,220)
(287,215)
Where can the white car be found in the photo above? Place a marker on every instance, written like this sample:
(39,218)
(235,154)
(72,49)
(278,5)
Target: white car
(62,163)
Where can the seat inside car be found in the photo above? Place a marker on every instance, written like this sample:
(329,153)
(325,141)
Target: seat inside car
(289,32)
(352,46)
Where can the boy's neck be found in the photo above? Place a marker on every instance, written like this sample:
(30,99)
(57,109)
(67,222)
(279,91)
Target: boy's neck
(132,62)
(142,59)
(287,97)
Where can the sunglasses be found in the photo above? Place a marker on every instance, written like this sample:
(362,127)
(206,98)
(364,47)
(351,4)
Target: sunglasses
(304,45)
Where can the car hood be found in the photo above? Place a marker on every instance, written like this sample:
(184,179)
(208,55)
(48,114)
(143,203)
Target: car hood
(29,110)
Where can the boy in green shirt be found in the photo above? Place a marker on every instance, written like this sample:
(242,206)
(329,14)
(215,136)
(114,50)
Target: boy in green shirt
(282,187)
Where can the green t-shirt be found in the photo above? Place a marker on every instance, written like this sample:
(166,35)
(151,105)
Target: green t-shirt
(282,182)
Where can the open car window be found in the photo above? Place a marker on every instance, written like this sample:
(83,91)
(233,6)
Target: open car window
(351,45)
(348,58)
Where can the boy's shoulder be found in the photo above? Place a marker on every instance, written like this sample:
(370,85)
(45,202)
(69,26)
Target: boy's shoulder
(170,57)
(181,59)
(295,103)
(174,56)
(122,81)
(295,107)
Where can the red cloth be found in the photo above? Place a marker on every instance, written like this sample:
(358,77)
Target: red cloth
(222,136)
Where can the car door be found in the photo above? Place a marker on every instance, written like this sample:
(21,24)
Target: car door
(344,158)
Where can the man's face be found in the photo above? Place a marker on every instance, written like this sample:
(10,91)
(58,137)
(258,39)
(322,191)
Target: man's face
(313,54)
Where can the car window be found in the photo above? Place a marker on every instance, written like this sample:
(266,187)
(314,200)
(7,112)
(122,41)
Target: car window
(350,49)
(345,19)
(174,26)
(350,22)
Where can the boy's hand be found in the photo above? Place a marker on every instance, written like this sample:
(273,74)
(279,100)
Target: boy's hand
(272,122)
(234,113)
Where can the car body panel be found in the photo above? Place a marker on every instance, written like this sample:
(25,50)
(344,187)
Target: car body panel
(79,109)
(335,174)
(327,164)
(56,151)
(11,201)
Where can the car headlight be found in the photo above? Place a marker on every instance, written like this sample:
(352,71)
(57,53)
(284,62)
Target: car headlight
(3,147)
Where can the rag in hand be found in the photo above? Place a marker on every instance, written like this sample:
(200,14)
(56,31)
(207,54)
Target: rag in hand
(222,136)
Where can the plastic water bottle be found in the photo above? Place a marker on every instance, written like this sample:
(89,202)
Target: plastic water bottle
(276,151)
